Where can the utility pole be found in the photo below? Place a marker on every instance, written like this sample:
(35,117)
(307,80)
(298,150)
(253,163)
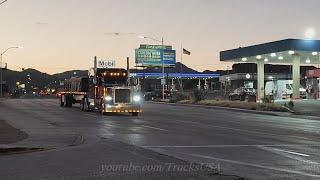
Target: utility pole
(1,79)
(163,80)
(1,68)
(128,71)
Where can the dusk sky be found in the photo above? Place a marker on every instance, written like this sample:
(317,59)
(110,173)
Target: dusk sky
(60,35)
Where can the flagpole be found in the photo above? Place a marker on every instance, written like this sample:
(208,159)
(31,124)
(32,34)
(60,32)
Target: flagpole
(181,83)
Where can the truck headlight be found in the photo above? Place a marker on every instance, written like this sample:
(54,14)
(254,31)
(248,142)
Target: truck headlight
(108,98)
(136,98)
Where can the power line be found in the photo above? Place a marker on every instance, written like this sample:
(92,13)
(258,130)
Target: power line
(3,2)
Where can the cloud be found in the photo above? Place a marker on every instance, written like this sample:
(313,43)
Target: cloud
(41,23)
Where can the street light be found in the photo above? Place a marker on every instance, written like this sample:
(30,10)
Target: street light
(162,48)
(1,78)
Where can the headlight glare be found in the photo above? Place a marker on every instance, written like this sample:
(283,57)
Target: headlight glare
(136,98)
(108,98)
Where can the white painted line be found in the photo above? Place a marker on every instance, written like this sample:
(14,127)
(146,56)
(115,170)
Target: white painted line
(255,165)
(291,152)
(241,145)
(154,128)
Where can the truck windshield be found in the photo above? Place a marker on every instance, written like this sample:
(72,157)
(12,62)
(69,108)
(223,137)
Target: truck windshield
(115,81)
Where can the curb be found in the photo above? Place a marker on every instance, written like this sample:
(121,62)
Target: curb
(20,150)
(228,109)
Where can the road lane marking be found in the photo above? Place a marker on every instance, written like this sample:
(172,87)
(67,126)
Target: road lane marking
(241,145)
(291,152)
(238,129)
(290,155)
(151,127)
(254,165)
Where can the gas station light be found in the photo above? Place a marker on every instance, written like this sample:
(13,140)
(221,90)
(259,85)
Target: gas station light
(291,52)
(266,59)
(308,60)
(273,55)
(244,59)
(280,57)
(314,53)
(259,57)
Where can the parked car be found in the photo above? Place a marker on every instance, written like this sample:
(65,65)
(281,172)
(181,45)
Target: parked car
(242,94)
(149,96)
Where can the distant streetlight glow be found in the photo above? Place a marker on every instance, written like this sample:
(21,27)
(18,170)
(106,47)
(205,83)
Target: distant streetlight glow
(280,57)
(259,57)
(273,55)
(310,33)
(291,52)
(314,53)
(266,59)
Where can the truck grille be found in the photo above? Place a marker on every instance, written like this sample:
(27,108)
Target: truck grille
(122,96)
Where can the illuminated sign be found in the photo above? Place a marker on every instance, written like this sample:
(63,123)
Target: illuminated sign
(154,55)
(106,64)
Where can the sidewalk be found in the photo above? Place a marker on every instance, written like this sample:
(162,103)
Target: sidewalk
(9,134)
(271,113)
(302,109)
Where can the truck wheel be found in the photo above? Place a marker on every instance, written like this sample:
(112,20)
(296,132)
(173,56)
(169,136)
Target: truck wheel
(85,105)
(66,97)
(135,114)
(82,105)
(68,101)
(61,102)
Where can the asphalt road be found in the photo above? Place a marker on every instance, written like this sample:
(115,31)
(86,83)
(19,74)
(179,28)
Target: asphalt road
(237,143)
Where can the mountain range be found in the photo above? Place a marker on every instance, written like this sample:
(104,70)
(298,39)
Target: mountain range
(43,80)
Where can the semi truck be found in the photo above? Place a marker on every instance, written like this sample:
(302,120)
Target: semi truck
(105,90)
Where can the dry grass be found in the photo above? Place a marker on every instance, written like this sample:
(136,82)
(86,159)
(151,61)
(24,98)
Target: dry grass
(240,105)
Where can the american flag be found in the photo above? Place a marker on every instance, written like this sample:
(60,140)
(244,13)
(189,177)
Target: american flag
(186,52)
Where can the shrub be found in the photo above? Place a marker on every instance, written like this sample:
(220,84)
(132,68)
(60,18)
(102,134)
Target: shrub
(290,105)
(198,95)
(244,105)
(178,97)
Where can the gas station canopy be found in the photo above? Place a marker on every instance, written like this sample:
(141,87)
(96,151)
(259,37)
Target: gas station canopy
(176,75)
(277,52)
